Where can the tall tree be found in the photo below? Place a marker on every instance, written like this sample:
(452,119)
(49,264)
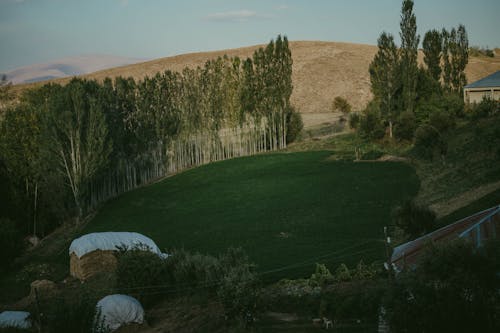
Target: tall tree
(409,52)
(445,59)
(432,45)
(78,138)
(385,78)
(459,50)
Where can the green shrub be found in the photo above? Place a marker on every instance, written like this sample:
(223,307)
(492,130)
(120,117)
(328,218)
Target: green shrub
(354,119)
(137,269)
(371,125)
(486,108)
(342,105)
(372,155)
(11,243)
(441,120)
(414,219)
(294,125)
(321,276)
(429,143)
(405,126)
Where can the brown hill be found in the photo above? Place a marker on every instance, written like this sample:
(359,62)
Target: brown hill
(321,71)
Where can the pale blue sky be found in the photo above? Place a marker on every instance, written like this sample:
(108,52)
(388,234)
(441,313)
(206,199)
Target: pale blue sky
(35,31)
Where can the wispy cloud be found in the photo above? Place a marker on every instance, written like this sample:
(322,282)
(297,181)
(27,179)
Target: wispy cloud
(236,16)
(282,7)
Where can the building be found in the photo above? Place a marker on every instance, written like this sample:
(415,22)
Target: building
(476,228)
(488,87)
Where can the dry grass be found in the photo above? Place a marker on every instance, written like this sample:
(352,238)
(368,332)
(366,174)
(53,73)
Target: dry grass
(321,71)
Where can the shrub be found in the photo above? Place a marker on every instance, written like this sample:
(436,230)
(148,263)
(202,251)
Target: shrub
(11,243)
(428,143)
(370,124)
(372,155)
(137,269)
(405,126)
(441,120)
(414,219)
(342,105)
(354,120)
(294,125)
(454,288)
(321,276)
(486,108)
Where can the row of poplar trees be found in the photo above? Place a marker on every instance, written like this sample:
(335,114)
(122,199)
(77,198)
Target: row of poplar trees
(396,79)
(69,148)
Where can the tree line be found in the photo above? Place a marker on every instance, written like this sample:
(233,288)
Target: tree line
(67,149)
(406,94)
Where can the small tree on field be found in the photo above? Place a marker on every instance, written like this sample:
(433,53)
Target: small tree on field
(342,105)
(414,219)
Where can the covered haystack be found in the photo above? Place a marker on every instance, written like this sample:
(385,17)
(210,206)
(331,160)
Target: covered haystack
(117,310)
(94,253)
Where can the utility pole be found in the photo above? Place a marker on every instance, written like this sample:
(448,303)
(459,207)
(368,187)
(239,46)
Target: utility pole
(388,253)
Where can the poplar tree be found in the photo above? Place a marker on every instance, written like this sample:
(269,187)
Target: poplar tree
(385,78)
(432,45)
(445,59)
(409,52)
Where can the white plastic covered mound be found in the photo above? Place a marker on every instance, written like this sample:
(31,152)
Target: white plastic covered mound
(109,241)
(17,319)
(117,310)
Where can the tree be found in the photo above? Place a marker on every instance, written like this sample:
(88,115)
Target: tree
(342,105)
(432,46)
(459,49)
(415,220)
(384,77)
(454,288)
(77,135)
(409,52)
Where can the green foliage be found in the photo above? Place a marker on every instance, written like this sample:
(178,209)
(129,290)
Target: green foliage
(342,105)
(321,276)
(414,219)
(354,120)
(429,143)
(405,127)
(138,268)
(77,315)
(409,53)
(372,155)
(294,125)
(432,45)
(476,51)
(442,121)
(370,124)
(385,77)
(453,289)
(11,243)
(455,56)
(342,274)
(486,108)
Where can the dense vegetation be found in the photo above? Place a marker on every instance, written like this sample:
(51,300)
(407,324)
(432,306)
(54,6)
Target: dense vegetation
(66,149)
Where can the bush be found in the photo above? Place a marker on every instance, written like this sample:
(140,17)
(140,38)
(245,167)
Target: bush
(428,143)
(405,126)
(294,125)
(137,269)
(486,108)
(11,243)
(372,155)
(414,219)
(370,124)
(454,288)
(354,120)
(441,120)
(342,105)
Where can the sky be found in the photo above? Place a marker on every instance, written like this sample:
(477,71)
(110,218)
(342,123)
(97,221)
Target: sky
(37,31)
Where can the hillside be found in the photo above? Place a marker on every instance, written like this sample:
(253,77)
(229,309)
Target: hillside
(321,71)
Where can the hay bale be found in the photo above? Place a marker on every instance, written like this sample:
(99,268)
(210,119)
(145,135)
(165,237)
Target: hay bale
(92,263)
(44,288)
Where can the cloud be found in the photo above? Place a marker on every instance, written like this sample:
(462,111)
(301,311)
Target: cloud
(236,16)
(282,7)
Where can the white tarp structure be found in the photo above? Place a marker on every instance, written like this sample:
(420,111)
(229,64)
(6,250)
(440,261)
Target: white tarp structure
(109,241)
(17,319)
(117,310)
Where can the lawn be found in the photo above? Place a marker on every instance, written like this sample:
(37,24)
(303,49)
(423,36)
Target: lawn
(287,210)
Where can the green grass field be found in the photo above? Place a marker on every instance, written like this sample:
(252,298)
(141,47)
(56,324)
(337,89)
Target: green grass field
(284,209)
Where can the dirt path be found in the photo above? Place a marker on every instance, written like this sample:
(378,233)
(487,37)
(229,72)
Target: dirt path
(449,206)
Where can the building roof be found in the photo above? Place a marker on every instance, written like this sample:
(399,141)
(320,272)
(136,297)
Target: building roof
(409,253)
(492,80)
